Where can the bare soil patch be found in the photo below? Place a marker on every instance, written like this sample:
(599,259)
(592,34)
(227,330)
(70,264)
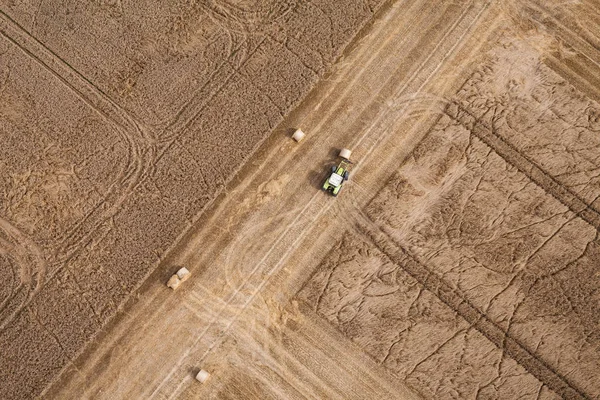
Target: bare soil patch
(476,273)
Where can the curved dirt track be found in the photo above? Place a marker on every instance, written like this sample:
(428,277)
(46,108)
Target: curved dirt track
(120,124)
(460,260)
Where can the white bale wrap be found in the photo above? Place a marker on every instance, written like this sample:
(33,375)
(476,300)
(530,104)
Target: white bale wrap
(183,274)
(298,135)
(345,153)
(202,376)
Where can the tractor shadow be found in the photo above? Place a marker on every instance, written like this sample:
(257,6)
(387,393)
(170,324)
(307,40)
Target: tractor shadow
(289,132)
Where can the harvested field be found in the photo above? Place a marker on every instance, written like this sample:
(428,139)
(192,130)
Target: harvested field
(120,123)
(461,260)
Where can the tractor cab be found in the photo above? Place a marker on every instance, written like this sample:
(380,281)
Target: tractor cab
(339,174)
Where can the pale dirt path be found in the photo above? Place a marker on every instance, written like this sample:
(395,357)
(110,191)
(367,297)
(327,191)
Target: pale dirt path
(253,251)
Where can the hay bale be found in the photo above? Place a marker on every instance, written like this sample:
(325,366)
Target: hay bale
(174,282)
(298,135)
(183,274)
(202,376)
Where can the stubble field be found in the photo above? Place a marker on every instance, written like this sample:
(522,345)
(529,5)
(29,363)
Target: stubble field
(120,122)
(462,259)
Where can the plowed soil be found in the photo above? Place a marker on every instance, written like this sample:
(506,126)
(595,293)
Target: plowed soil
(461,259)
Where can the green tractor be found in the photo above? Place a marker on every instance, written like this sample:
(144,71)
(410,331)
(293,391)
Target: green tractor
(339,174)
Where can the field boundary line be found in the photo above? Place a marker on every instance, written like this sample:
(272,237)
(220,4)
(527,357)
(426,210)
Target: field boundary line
(514,157)
(81,86)
(555,25)
(442,290)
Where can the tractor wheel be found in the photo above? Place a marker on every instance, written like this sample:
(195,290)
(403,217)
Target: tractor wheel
(346,175)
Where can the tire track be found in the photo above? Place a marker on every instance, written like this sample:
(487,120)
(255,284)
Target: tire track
(459,304)
(512,156)
(456,26)
(179,127)
(32,268)
(364,60)
(144,147)
(194,107)
(296,229)
(139,142)
(321,208)
(82,87)
(581,69)
(543,16)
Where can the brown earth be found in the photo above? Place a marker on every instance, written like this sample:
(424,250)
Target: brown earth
(460,261)
(475,270)
(119,123)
